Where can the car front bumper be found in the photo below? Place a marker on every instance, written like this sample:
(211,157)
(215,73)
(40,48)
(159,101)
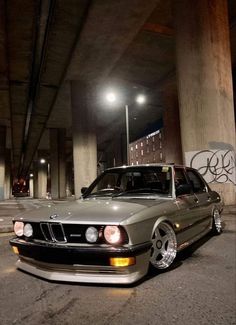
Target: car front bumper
(81,263)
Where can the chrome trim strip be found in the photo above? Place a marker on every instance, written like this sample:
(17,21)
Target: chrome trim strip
(41,227)
(62,230)
(53,238)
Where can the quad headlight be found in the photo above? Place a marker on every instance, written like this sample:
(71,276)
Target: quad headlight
(91,234)
(19,228)
(112,234)
(28,230)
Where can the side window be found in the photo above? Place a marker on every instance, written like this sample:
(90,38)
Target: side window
(196,182)
(182,186)
(180,178)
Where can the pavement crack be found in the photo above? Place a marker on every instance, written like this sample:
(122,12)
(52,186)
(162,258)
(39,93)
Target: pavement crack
(125,305)
(45,293)
(49,315)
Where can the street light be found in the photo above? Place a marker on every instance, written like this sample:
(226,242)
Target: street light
(111,97)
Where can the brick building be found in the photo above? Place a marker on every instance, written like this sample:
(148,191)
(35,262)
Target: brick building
(148,149)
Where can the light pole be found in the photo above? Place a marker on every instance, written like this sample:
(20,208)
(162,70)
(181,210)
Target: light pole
(140,99)
(127,131)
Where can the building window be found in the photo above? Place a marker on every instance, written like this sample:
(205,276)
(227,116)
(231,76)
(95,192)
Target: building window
(160,156)
(147,141)
(136,162)
(141,144)
(136,146)
(147,149)
(141,152)
(153,147)
(153,139)
(132,148)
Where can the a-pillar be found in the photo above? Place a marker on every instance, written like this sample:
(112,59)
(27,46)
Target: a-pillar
(205,92)
(84,136)
(58,163)
(2,160)
(172,138)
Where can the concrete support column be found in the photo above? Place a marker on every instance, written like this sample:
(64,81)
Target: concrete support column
(205,92)
(42,181)
(31,187)
(172,137)
(62,162)
(84,137)
(35,179)
(8,183)
(69,179)
(58,163)
(2,160)
(54,165)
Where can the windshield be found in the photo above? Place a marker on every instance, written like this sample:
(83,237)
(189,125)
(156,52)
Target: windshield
(140,181)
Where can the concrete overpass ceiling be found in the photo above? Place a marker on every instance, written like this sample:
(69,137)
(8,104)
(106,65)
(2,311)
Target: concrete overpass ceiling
(45,44)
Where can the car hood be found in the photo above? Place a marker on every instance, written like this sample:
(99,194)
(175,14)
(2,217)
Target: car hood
(90,211)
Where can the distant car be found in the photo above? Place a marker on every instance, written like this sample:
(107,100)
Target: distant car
(128,219)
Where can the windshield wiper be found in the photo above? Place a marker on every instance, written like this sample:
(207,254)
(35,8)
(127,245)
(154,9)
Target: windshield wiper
(145,190)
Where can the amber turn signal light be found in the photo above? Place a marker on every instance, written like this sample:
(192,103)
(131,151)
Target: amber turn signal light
(15,250)
(122,261)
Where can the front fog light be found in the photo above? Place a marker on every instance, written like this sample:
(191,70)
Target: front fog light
(28,230)
(91,235)
(122,261)
(19,228)
(112,234)
(15,250)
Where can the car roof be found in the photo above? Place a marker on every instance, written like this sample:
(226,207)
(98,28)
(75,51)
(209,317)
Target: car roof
(146,165)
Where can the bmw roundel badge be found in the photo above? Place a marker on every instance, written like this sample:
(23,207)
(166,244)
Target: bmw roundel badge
(54,216)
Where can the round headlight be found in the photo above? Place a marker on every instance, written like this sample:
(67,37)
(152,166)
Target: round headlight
(28,230)
(112,234)
(19,228)
(91,234)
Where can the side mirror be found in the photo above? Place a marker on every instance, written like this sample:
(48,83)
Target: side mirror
(183,189)
(83,190)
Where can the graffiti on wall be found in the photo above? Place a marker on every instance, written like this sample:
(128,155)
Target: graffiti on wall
(216,166)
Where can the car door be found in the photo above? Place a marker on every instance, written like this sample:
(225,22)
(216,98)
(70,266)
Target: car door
(203,201)
(187,203)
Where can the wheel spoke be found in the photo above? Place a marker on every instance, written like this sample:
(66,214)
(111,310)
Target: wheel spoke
(157,234)
(164,240)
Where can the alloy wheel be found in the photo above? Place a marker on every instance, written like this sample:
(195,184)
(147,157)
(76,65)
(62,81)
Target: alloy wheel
(164,246)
